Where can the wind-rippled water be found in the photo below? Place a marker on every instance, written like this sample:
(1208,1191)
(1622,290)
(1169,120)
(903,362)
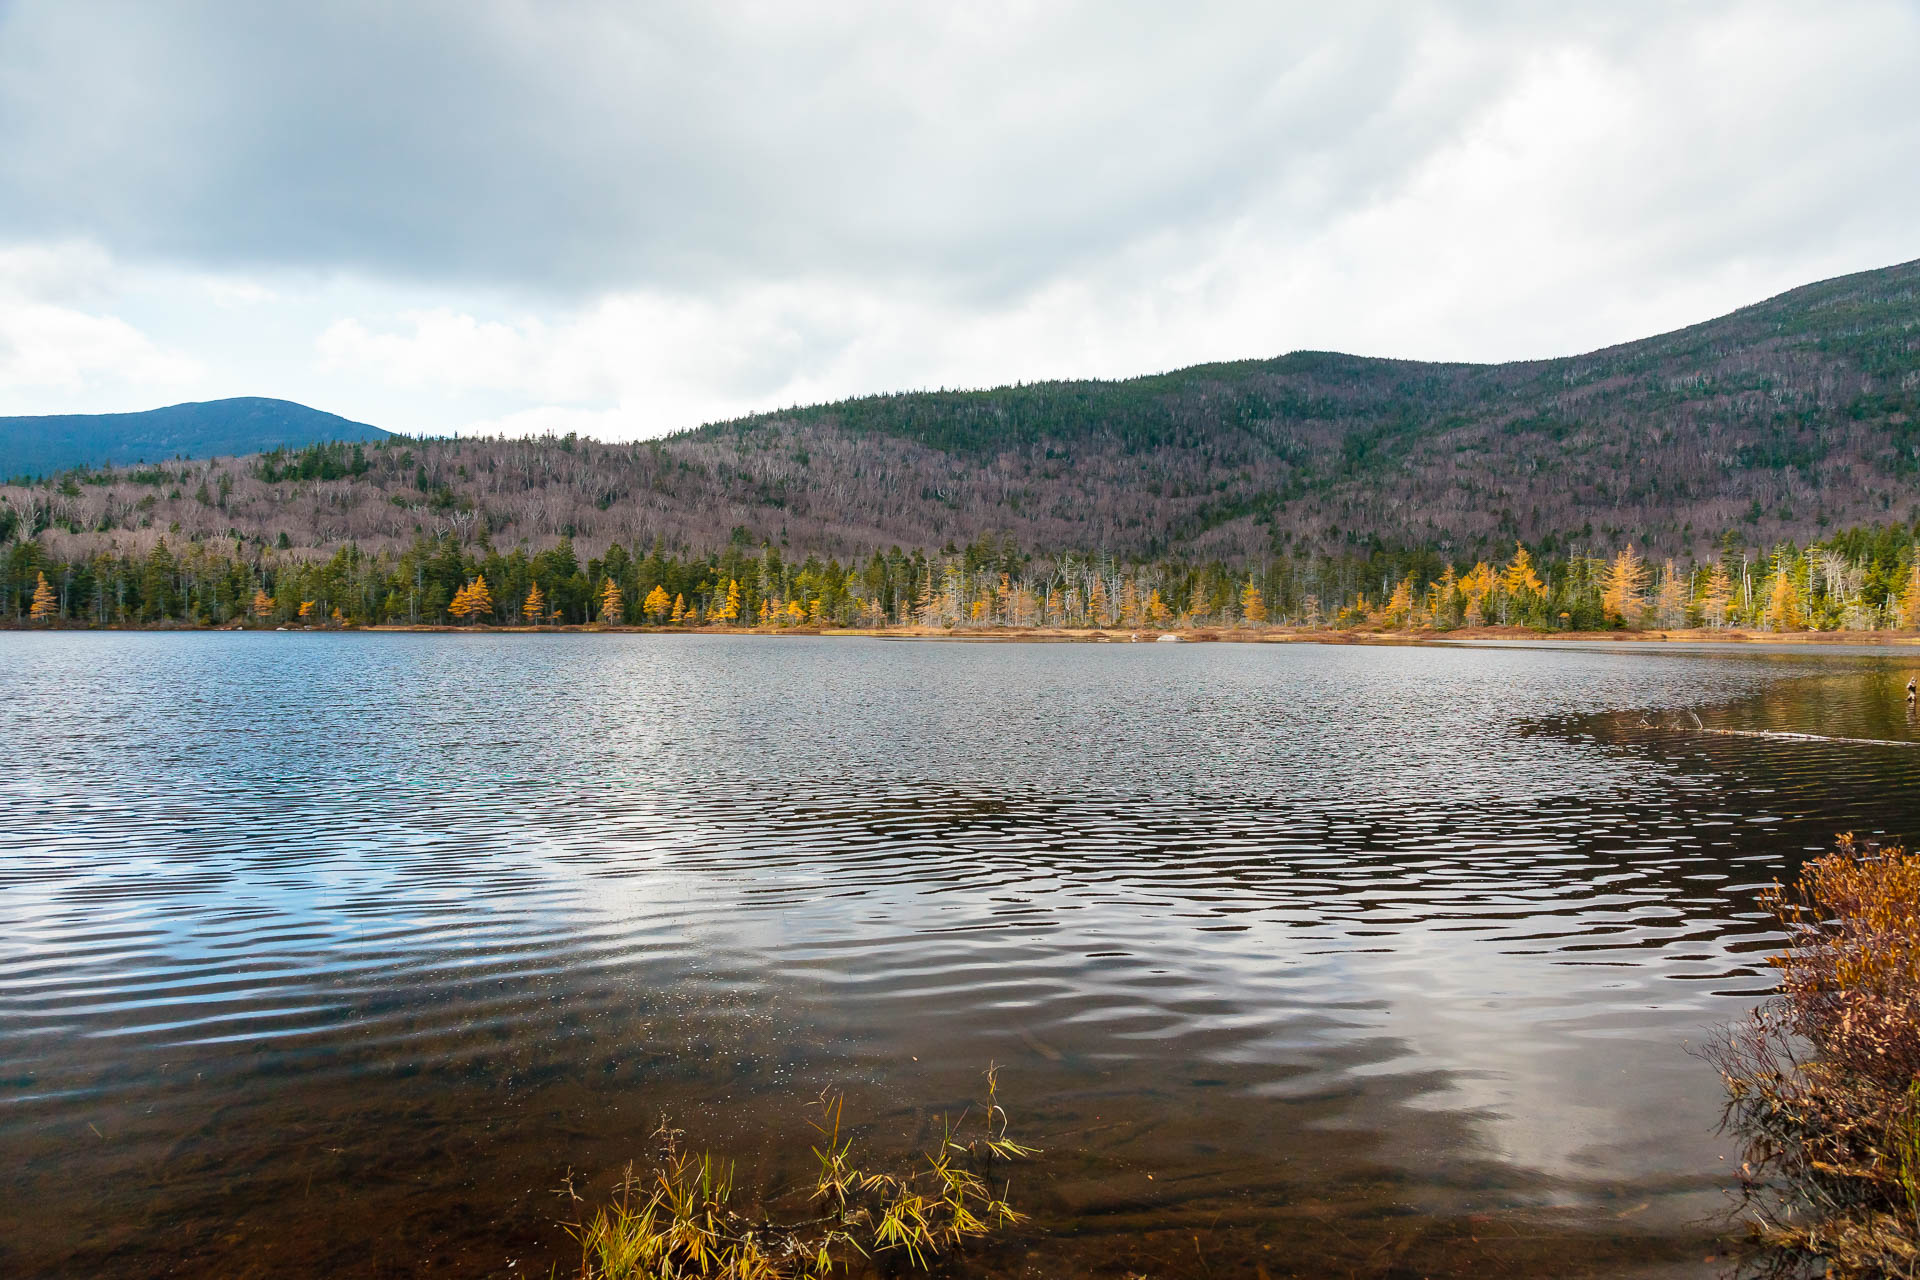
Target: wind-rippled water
(333,954)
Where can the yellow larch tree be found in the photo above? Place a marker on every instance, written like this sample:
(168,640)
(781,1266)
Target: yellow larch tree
(1783,611)
(536,606)
(306,611)
(657,604)
(1620,586)
(477,603)
(613,609)
(1910,597)
(262,604)
(1253,604)
(1097,603)
(1519,579)
(1157,611)
(679,614)
(1399,607)
(44,605)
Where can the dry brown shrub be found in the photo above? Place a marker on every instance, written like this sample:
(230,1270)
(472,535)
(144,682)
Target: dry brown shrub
(1821,1078)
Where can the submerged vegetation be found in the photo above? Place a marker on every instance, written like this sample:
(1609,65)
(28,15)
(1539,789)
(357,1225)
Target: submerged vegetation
(1824,1078)
(681,1219)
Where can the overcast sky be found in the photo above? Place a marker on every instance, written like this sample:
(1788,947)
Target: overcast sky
(626,219)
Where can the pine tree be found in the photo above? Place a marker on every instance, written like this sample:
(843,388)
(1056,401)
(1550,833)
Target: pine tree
(656,604)
(612,607)
(44,605)
(536,606)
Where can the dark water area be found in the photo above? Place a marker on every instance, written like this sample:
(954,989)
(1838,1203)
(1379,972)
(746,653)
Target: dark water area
(333,954)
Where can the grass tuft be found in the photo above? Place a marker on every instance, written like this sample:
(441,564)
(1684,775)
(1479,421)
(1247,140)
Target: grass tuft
(679,1221)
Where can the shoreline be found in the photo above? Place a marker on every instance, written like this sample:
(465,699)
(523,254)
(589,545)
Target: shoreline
(1085,635)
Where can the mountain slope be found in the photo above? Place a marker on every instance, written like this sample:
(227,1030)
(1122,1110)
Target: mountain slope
(1799,410)
(206,429)
(1782,420)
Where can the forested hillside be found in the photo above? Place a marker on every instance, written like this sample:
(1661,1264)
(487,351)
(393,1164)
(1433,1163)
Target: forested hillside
(1328,476)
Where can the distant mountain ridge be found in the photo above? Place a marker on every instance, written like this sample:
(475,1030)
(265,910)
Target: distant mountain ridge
(1785,420)
(40,444)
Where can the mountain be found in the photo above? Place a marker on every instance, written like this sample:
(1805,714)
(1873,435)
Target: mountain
(208,429)
(1787,419)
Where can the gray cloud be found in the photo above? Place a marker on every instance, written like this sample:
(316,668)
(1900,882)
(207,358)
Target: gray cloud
(634,217)
(585,147)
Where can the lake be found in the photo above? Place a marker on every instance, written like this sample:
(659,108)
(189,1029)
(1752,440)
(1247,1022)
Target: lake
(335,953)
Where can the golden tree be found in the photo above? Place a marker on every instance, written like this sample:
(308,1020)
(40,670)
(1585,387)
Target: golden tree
(1910,598)
(1253,605)
(262,604)
(731,610)
(306,610)
(536,606)
(44,605)
(1157,611)
(679,610)
(613,609)
(1519,578)
(1097,603)
(1399,607)
(482,597)
(656,604)
(1783,602)
(1621,585)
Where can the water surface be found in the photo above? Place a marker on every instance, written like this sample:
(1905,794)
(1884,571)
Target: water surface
(333,954)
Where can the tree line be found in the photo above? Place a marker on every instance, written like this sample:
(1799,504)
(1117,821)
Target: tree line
(1860,579)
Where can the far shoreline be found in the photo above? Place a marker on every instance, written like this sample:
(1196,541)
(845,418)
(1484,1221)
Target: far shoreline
(1080,635)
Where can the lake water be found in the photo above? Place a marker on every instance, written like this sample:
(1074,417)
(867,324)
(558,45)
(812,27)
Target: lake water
(333,954)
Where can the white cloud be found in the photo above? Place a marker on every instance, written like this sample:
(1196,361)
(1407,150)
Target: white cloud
(52,337)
